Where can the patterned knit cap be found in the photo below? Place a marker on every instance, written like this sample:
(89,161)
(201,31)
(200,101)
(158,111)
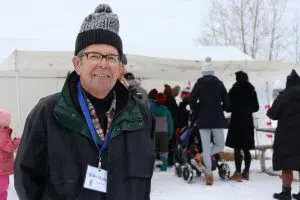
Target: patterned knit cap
(100,27)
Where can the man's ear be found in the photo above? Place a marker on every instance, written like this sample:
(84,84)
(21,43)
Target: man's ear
(76,64)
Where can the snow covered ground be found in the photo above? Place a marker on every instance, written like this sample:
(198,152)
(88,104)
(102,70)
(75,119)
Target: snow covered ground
(166,186)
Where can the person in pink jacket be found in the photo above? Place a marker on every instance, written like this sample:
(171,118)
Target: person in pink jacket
(7,148)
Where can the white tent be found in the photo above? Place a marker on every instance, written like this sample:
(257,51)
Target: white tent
(27,76)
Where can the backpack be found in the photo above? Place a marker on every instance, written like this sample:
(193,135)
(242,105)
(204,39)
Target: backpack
(161,125)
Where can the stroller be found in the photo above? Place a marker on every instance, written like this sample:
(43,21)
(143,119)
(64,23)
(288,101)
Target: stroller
(185,166)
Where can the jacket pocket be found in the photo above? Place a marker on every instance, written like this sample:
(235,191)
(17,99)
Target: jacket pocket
(67,182)
(140,155)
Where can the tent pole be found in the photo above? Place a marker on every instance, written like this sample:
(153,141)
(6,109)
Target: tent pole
(17,71)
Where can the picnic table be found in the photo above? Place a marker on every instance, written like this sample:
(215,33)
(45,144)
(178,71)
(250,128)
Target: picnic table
(263,148)
(267,130)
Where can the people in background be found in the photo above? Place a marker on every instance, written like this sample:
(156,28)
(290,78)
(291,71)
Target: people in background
(163,129)
(183,112)
(175,91)
(152,98)
(208,100)
(173,108)
(286,151)
(240,136)
(7,147)
(136,84)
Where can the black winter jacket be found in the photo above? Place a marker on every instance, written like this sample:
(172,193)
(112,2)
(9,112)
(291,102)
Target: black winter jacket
(286,147)
(209,99)
(56,148)
(243,102)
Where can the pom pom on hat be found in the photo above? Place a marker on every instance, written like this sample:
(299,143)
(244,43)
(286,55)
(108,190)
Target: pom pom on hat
(103,8)
(207,68)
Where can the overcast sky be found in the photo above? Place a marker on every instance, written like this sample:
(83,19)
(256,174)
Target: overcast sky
(156,23)
(139,20)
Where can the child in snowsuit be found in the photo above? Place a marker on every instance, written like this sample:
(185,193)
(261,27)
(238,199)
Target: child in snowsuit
(7,147)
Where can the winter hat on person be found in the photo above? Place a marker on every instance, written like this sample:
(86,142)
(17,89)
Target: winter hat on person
(4,118)
(153,94)
(207,68)
(160,99)
(241,77)
(185,92)
(293,79)
(100,27)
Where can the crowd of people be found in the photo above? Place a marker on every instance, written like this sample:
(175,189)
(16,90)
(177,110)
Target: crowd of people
(99,137)
(205,104)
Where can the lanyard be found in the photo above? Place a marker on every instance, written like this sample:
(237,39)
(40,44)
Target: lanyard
(89,122)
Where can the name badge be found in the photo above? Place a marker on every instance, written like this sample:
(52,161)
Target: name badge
(95,179)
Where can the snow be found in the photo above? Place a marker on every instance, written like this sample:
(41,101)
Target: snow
(165,186)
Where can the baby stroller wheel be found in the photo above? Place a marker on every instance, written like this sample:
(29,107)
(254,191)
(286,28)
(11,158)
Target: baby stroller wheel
(178,170)
(224,171)
(187,173)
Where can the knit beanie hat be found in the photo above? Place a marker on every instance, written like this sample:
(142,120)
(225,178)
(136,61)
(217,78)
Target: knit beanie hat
(160,99)
(100,27)
(4,118)
(207,68)
(293,79)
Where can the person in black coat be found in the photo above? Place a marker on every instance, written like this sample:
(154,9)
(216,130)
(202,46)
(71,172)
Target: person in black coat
(208,100)
(286,151)
(243,102)
(183,112)
(94,139)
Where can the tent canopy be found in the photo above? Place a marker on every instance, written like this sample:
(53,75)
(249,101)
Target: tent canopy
(58,64)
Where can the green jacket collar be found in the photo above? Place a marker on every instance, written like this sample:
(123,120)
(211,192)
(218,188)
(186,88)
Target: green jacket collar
(68,113)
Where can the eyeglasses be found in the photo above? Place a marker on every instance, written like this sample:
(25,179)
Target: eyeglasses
(95,58)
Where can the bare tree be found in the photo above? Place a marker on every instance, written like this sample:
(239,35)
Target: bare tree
(296,37)
(217,30)
(259,30)
(253,26)
(276,31)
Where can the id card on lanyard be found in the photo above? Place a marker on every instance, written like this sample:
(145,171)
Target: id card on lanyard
(95,178)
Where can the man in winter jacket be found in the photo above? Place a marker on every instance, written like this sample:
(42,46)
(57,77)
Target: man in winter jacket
(209,99)
(93,140)
(286,151)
